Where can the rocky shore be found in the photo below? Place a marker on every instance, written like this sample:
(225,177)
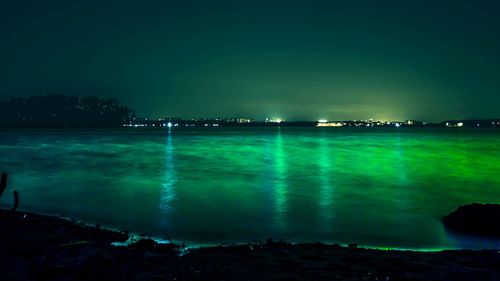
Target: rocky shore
(38,247)
(475,219)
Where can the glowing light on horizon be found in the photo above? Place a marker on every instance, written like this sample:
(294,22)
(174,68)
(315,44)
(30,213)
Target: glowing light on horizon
(329,124)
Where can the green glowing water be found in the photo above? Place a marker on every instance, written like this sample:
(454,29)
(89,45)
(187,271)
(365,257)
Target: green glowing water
(375,187)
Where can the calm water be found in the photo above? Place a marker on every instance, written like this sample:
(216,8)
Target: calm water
(375,187)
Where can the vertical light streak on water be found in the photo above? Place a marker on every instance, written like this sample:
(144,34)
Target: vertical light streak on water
(401,173)
(167,194)
(401,191)
(280,185)
(326,188)
(400,163)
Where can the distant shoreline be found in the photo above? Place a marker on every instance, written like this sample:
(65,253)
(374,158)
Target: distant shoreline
(224,123)
(247,127)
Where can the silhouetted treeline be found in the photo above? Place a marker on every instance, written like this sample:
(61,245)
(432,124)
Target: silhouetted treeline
(56,110)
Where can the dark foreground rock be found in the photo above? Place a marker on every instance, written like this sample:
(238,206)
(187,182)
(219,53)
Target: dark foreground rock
(476,219)
(36,247)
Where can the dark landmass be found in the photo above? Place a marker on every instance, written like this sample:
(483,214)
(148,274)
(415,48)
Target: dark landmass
(38,247)
(61,111)
(476,219)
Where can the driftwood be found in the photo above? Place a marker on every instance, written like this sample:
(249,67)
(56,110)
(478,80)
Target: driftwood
(3,183)
(3,186)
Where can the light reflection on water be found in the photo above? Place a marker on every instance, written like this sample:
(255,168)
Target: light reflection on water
(279,185)
(373,187)
(168,186)
(326,193)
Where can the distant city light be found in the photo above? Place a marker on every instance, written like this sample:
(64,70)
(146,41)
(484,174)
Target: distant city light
(228,122)
(329,124)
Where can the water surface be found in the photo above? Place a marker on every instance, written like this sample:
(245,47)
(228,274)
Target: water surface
(375,187)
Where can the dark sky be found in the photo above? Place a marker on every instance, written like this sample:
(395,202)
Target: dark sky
(293,59)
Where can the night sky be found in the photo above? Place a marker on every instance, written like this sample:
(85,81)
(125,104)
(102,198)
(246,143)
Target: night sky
(295,59)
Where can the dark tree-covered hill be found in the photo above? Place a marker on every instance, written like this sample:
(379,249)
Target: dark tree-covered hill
(56,110)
